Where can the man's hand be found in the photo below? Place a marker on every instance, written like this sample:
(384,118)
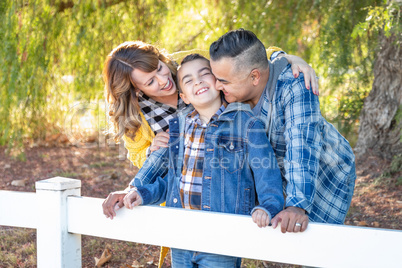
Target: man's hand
(161,140)
(300,66)
(112,203)
(132,199)
(261,218)
(293,220)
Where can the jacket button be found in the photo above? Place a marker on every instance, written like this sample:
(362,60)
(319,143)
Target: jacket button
(231,147)
(175,200)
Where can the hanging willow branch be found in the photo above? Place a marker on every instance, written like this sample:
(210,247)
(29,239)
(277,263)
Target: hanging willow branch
(62,6)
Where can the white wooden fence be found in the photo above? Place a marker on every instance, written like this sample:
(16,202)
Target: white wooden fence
(61,216)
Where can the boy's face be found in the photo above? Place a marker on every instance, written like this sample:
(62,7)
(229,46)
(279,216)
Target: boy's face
(197,83)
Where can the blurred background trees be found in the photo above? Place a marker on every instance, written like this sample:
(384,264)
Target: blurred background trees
(52,54)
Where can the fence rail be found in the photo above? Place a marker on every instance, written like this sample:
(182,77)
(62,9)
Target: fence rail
(61,216)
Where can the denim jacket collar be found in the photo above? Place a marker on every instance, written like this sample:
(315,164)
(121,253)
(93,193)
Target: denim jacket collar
(232,109)
(230,112)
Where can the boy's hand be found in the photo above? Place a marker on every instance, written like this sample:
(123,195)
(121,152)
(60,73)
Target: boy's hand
(112,203)
(261,218)
(132,199)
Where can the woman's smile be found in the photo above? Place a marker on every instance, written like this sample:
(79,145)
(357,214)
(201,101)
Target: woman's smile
(168,86)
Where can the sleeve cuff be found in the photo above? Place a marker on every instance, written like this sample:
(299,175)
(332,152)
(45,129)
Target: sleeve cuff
(299,203)
(275,54)
(145,195)
(264,209)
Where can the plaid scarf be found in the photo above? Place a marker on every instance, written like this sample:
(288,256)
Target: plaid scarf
(158,114)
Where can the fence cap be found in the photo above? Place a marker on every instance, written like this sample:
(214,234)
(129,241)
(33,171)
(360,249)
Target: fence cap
(58,184)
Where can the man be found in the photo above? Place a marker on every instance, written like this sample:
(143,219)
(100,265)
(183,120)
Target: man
(316,162)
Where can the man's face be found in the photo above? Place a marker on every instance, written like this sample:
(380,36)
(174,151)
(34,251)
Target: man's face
(236,86)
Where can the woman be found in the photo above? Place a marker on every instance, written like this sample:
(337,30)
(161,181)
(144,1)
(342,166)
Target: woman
(141,91)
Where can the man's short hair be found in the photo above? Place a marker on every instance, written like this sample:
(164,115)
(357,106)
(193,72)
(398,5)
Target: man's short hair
(243,47)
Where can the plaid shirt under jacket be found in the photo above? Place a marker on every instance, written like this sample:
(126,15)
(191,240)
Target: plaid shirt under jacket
(316,162)
(193,164)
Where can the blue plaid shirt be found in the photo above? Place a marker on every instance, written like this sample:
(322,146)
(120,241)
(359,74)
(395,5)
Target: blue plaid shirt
(316,162)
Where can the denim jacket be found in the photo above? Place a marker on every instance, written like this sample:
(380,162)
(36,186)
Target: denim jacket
(239,165)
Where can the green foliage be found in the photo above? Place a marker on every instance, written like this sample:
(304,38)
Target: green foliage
(396,164)
(386,19)
(394,169)
(53,50)
(398,118)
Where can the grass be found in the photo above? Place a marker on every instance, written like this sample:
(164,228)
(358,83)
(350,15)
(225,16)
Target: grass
(102,164)
(18,247)
(66,174)
(388,176)
(399,181)
(395,167)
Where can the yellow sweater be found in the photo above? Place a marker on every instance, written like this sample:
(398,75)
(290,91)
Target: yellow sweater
(137,147)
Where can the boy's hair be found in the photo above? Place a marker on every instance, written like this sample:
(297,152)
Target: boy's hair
(189,58)
(243,47)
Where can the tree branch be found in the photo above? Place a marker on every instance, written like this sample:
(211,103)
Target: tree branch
(62,6)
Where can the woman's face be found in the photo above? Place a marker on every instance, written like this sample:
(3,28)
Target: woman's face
(157,84)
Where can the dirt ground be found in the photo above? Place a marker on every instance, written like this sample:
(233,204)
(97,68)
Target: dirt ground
(377,201)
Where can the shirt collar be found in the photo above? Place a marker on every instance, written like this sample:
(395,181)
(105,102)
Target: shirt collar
(144,100)
(194,116)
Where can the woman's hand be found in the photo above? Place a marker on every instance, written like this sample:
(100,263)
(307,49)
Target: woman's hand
(161,140)
(299,65)
(132,199)
(112,203)
(261,218)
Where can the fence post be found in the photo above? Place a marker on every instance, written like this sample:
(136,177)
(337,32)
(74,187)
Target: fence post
(55,246)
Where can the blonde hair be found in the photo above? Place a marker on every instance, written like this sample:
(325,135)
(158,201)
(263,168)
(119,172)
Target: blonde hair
(121,91)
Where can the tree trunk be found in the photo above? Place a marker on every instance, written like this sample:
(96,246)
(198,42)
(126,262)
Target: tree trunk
(380,127)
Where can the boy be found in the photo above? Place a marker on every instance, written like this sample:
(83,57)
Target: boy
(220,162)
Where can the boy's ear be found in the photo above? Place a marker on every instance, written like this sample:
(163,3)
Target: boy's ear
(255,76)
(184,98)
